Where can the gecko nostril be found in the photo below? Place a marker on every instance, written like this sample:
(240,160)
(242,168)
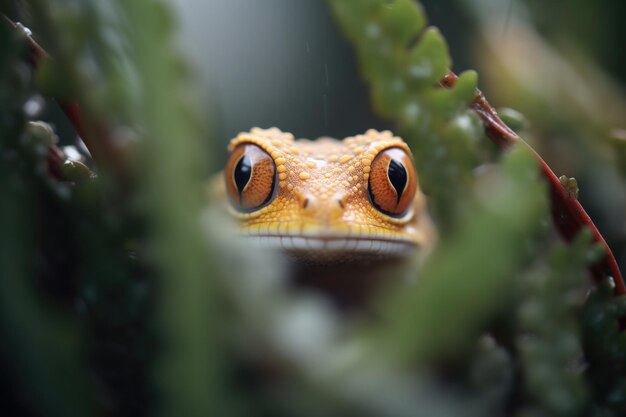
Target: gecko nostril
(341,200)
(305,203)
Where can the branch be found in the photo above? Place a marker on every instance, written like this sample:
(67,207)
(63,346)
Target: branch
(568,214)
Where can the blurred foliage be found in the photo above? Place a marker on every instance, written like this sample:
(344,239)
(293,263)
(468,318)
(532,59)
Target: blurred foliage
(41,339)
(121,294)
(604,346)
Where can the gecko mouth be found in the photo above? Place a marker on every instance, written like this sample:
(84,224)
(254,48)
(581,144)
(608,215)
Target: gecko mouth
(331,246)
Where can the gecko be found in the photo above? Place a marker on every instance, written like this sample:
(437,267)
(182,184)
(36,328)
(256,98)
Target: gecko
(340,208)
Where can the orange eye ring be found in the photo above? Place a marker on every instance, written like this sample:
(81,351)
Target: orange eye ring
(250,177)
(392,182)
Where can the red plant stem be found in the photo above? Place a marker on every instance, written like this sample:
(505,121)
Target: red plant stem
(568,214)
(54,160)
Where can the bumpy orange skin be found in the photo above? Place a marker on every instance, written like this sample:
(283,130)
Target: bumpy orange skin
(323,190)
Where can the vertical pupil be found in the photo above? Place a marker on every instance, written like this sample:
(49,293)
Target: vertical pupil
(243,170)
(397,176)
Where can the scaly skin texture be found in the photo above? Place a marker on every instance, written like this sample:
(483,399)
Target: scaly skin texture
(322,195)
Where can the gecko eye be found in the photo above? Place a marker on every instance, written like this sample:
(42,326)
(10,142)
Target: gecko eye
(250,177)
(392,182)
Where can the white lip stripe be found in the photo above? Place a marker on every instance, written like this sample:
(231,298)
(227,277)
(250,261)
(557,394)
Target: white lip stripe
(299,243)
(336,245)
(314,244)
(351,245)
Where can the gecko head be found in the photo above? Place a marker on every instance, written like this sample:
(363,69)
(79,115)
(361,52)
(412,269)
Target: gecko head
(356,198)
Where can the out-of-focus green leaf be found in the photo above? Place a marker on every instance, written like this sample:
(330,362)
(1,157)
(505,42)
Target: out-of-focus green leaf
(117,59)
(171,161)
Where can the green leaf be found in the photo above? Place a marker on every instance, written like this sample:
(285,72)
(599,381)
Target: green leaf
(403,20)
(429,60)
